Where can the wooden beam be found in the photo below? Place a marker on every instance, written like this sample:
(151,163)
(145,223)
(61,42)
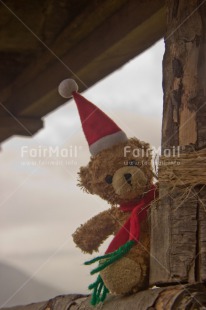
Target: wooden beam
(79,27)
(170,298)
(18,126)
(178,249)
(134,27)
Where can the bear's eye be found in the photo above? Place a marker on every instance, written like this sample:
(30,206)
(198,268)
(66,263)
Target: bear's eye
(108,179)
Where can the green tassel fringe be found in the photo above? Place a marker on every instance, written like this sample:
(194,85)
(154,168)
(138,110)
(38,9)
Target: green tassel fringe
(100,291)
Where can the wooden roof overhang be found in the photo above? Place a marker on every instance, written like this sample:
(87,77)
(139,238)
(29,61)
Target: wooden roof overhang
(43,42)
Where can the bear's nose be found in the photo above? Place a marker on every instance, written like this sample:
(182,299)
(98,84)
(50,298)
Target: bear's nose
(128,177)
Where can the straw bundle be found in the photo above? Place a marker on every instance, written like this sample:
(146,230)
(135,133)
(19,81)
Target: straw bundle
(183,170)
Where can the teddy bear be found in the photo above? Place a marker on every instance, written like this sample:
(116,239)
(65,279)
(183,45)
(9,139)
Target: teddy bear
(120,172)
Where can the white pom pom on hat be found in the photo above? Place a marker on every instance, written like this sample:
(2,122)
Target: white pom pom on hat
(67,87)
(100,130)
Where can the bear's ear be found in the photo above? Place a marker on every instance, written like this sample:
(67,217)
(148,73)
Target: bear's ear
(85,179)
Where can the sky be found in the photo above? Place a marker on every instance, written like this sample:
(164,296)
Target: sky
(40,204)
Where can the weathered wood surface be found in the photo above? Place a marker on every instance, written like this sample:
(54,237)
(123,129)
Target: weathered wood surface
(175,297)
(184,70)
(201,246)
(20,124)
(173,245)
(81,57)
(90,38)
(178,222)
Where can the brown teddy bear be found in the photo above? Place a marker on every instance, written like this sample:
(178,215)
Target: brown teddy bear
(119,172)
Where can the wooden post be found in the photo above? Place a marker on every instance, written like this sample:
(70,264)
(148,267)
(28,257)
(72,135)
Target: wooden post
(178,245)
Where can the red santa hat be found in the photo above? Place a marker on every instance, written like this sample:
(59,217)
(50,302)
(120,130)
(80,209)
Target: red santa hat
(100,131)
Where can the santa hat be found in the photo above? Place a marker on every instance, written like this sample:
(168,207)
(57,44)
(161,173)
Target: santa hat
(100,131)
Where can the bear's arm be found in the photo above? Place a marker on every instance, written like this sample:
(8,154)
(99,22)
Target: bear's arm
(89,236)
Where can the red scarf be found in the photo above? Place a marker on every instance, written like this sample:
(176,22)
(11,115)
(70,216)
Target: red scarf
(131,229)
